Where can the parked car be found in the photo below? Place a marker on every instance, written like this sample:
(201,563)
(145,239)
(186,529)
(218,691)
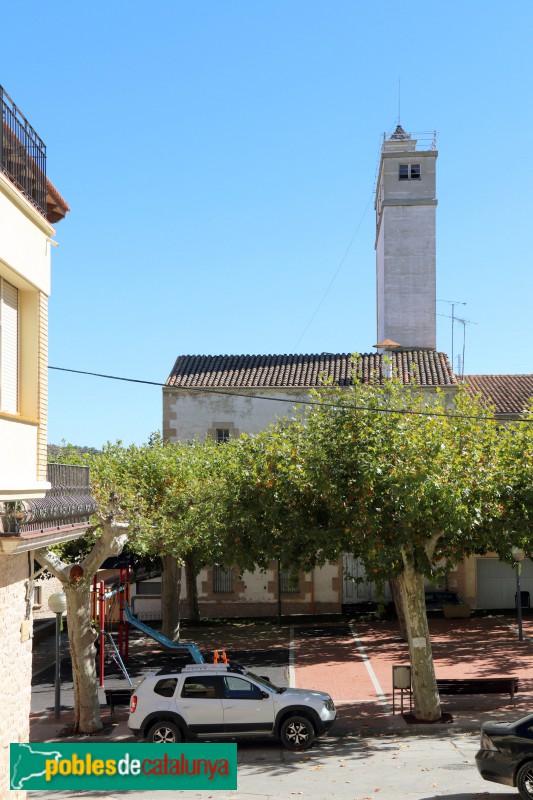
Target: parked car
(214,700)
(506,754)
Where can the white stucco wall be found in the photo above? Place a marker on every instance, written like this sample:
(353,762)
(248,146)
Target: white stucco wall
(406,250)
(25,263)
(188,415)
(408,269)
(325,581)
(24,246)
(18,461)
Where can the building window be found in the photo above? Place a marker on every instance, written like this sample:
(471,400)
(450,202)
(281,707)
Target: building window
(37,595)
(290,581)
(222,435)
(149,588)
(409,172)
(222,579)
(9,347)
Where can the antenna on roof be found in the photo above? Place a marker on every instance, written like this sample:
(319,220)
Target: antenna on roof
(464,323)
(399,99)
(452,303)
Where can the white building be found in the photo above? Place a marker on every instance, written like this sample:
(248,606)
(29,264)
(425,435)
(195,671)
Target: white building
(35,510)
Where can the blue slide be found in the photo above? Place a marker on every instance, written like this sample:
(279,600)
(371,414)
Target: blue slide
(190,647)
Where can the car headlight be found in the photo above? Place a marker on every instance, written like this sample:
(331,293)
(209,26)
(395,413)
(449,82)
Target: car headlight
(487,743)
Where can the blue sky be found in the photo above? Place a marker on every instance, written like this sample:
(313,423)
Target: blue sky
(219,158)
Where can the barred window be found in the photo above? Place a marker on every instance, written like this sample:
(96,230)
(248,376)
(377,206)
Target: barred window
(290,581)
(222,579)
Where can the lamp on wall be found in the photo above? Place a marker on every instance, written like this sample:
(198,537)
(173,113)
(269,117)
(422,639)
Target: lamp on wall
(8,544)
(518,556)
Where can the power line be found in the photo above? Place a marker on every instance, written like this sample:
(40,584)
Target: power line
(226,393)
(332,281)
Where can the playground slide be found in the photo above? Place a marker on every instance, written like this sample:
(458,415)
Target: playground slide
(191,647)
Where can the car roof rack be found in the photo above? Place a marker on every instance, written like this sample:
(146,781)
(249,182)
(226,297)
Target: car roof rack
(177,669)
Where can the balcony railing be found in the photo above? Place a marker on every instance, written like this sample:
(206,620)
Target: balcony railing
(22,153)
(69,502)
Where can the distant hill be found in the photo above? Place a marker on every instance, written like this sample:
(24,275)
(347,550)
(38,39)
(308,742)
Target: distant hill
(56,449)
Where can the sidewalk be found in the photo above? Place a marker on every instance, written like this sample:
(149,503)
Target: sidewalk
(350,660)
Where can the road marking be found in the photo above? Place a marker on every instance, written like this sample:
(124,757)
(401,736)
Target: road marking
(372,675)
(292,671)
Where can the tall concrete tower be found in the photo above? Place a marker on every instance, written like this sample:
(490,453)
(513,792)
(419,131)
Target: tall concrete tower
(405,241)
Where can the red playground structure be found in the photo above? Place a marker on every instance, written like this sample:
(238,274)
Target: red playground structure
(102,613)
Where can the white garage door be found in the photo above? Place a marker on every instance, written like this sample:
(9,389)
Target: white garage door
(496,582)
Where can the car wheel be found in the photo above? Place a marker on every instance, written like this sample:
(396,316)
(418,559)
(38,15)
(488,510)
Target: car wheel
(164,733)
(524,781)
(297,733)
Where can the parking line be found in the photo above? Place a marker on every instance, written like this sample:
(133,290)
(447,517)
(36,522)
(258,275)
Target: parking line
(372,675)
(292,671)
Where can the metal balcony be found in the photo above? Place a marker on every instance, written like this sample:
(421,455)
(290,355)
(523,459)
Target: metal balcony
(68,503)
(22,153)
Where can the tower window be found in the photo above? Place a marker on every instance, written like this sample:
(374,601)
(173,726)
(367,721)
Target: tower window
(409,172)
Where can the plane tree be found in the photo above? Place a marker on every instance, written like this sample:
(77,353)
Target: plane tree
(267,511)
(148,496)
(514,525)
(409,483)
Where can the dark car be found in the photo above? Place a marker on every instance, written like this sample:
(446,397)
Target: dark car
(506,754)
(436,598)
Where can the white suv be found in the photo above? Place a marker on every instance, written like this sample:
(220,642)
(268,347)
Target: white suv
(213,700)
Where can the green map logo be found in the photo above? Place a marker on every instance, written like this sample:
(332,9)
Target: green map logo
(102,766)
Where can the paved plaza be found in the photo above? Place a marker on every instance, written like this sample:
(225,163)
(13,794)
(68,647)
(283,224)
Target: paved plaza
(370,753)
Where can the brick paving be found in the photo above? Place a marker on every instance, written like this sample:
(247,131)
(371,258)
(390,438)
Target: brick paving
(352,660)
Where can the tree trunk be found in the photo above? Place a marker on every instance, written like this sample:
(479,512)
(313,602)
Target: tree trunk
(82,650)
(170,598)
(398,604)
(425,692)
(192,587)
(76,580)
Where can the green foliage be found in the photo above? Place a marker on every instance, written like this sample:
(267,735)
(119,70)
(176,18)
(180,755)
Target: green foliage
(405,475)
(268,509)
(386,473)
(166,491)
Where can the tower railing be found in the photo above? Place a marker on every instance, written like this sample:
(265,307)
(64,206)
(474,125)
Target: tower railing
(425,140)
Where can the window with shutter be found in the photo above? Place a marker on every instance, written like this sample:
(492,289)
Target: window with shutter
(9,350)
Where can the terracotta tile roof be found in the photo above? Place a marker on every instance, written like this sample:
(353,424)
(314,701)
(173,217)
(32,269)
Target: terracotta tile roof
(56,206)
(507,393)
(426,367)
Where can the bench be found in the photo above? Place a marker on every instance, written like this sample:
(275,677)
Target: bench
(478,686)
(118,697)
